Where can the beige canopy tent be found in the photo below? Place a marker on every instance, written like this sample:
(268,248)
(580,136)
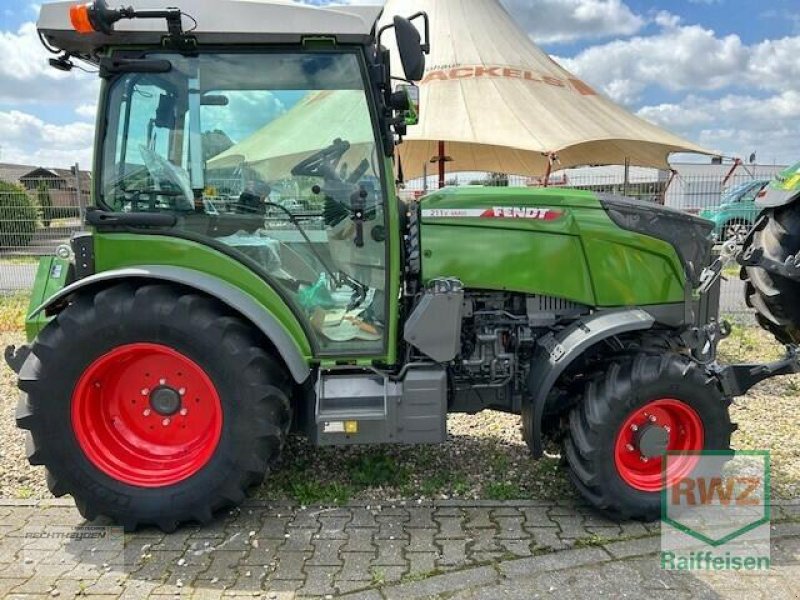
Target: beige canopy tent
(273,150)
(500,104)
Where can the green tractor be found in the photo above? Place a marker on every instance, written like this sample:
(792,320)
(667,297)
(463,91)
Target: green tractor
(250,272)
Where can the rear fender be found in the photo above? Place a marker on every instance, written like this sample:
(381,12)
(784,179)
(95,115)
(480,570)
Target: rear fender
(556,352)
(238,300)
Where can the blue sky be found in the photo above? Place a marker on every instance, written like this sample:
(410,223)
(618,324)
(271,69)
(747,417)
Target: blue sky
(725,73)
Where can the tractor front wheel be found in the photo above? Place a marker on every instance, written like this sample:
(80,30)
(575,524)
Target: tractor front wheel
(632,414)
(150,404)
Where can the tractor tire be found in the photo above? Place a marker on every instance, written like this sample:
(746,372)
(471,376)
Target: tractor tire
(775,298)
(152,405)
(629,414)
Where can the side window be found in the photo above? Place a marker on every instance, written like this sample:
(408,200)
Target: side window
(274,156)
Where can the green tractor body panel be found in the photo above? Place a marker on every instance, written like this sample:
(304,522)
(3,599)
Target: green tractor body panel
(552,242)
(51,277)
(118,251)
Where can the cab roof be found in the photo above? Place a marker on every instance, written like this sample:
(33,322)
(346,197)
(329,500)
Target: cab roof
(218,22)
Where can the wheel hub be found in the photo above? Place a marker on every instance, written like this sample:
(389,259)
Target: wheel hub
(165,400)
(652,441)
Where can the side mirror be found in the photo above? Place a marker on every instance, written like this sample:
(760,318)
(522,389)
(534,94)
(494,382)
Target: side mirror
(409,44)
(406,100)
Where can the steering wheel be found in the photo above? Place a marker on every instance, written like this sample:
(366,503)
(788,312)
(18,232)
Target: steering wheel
(324,163)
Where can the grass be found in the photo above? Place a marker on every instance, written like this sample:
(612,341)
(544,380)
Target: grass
(13,309)
(310,492)
(504,490)
(377,470)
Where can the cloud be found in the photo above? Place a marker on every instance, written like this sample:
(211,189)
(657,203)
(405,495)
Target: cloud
(686,57)
(736,124)
(555,21)
(27,78)
(26,139)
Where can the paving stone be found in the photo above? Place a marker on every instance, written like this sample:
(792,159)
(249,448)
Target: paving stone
(274,528)
(483,540)
(299,540)
(506,511)
(390,527)
(420,518)
(319,581)
(421,540)
(326,553)
(365,595)
(571,526)
(362,518)
(478,518)
(510,528)
(448,512)
(537,517)
(516,547)
(559,560)
(389,575)
(332,528)
(305,519)
(223,564)
(136,589)
(290,565)
(548,538)
(389,554)
(421,562)
(360,540)
(356,566)
(283,585)
(448,583)
(348,587)
(450,528)
(454,552)
(630,548)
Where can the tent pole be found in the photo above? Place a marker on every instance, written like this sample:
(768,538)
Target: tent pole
(441,164)
(550,159)
(627,183)
(737,162)
(672,175)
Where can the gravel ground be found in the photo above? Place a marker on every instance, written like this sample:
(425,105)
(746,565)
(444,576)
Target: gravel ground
(485,456)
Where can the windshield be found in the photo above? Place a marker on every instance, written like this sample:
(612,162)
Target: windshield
(735,194)
(272,155)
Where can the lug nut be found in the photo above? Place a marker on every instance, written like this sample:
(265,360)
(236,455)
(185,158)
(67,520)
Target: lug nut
(162,381)
(634,428)
(653,419)
(165,422)
(630,448)
(146,412)
(145,391)
(668,429)
(182,391)
(645,459)
(184,412)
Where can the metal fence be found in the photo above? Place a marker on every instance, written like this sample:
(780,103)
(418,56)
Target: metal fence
(41,211)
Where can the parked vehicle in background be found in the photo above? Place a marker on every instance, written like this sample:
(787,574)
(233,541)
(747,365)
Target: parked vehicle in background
(737,212)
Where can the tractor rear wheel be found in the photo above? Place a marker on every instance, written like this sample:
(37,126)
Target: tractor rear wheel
(775,298)
(151,404)
(630,415)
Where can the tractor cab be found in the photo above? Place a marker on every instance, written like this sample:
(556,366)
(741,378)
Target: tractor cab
(272,147)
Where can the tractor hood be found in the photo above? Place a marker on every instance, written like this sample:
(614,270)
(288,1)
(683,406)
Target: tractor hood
(594,249)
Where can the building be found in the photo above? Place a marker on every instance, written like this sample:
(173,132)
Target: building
(66,189)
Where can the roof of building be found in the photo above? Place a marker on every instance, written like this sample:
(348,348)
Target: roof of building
(219,21)
(12,173)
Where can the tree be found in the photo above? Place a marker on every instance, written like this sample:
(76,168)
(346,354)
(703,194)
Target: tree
(497,180)
(45,203)
(18,217)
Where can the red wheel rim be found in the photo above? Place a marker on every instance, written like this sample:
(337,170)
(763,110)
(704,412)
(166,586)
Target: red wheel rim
(146,415)
(685,432)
